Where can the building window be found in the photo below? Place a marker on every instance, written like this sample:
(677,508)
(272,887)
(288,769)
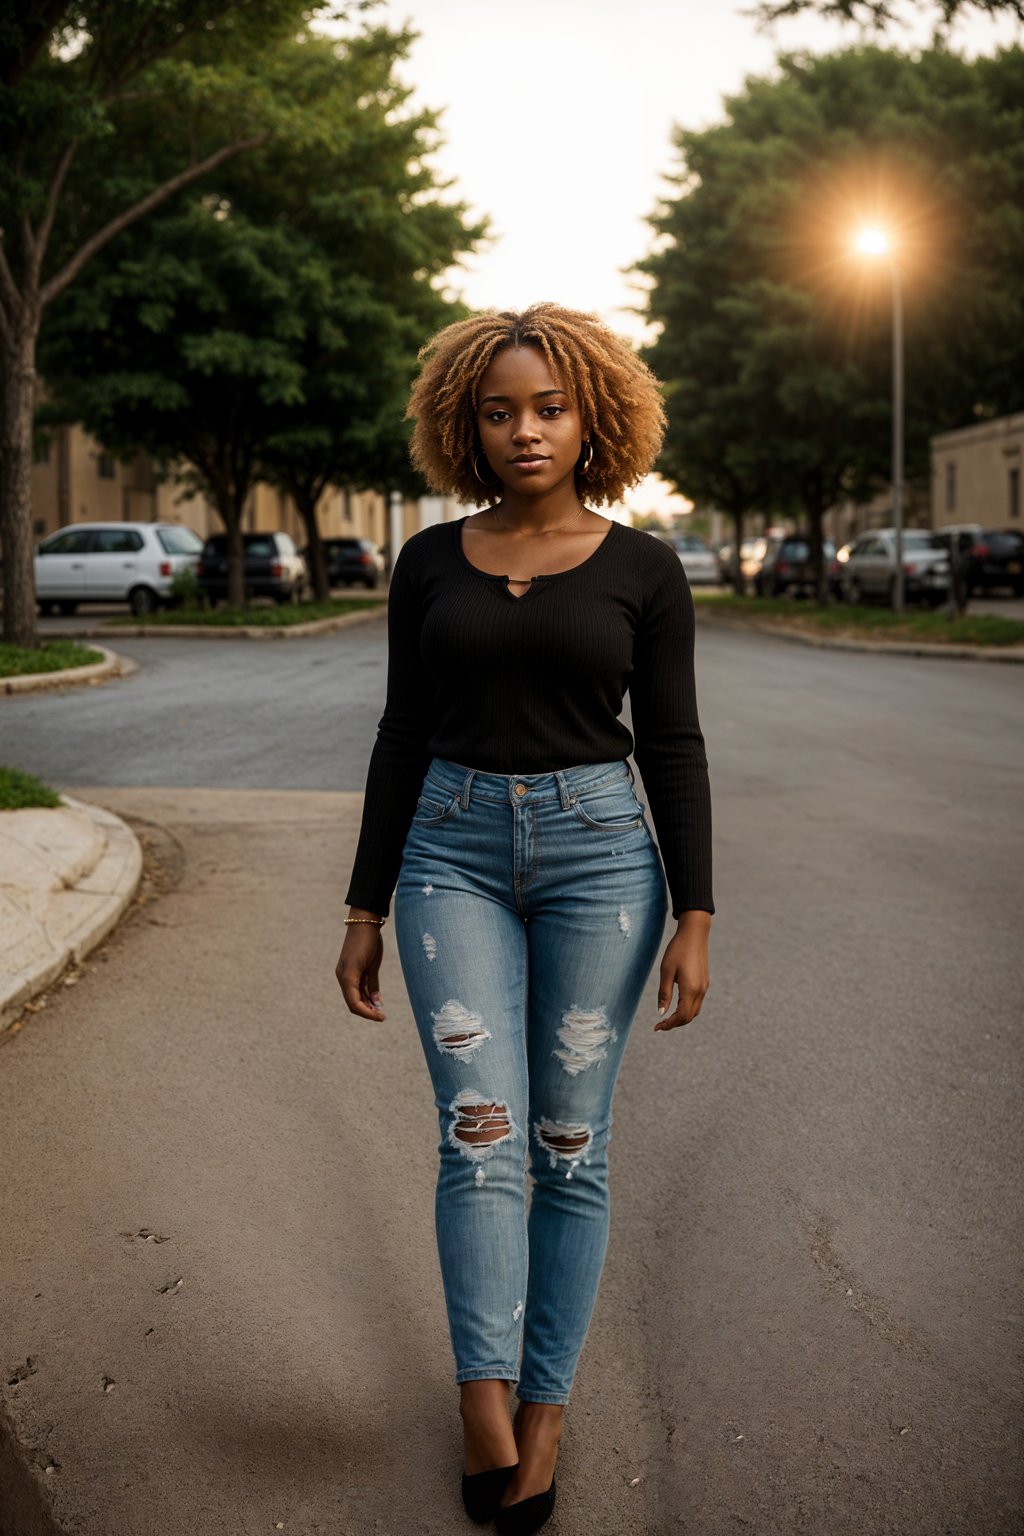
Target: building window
(105,466)
(951,487)
(1014,490)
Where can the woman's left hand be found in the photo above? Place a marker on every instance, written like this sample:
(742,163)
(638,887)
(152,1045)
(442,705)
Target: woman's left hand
(685,966)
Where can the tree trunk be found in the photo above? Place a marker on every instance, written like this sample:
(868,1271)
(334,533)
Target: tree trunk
(815,513)
(231,512)
(306,502)
(19,389)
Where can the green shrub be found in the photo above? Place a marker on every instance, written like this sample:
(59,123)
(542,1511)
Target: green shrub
(185,589)
(20,790)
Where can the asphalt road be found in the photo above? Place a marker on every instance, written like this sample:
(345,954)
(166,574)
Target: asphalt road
(810,1318)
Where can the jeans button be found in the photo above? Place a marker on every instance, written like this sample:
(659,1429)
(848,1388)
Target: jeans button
(520,789)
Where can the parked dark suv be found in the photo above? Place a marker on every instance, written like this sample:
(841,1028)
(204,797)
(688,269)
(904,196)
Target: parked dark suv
(273,567)
(350,560)
(786,566)
(995,558)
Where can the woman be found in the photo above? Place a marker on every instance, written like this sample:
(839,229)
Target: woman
(530,901)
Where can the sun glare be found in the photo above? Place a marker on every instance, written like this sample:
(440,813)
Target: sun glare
(873,242)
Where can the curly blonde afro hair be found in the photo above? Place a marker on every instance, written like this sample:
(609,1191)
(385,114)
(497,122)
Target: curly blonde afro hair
(615,393)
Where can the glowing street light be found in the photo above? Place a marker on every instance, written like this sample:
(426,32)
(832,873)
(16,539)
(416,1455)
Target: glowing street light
(874,242)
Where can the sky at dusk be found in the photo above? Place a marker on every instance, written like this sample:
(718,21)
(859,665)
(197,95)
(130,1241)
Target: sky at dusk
(558,115)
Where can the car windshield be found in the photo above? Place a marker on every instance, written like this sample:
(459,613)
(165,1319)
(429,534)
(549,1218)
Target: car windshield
(258,544)
(179,541)
(920,539)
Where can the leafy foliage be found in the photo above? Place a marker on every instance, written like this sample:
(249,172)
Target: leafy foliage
(878,15)
(267,326)
(775,340)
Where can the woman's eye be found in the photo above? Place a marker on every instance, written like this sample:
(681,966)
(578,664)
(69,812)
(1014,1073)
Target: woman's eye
(556,409)
(497,416)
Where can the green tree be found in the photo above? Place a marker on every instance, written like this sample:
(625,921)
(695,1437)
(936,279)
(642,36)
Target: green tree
(774,342)
(881,14)
(268,328)
(74,77)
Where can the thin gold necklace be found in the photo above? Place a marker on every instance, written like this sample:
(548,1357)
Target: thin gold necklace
(553,529)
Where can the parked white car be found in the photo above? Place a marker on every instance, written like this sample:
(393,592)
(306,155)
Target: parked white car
(869,570)
(700,563)
(132,563)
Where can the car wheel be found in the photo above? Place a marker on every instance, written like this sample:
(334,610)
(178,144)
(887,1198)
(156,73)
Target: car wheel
(854,591)
(143,600)
(67,606)
(45,608)
(370,582)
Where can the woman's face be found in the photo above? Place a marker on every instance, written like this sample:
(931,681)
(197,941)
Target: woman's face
(529,427)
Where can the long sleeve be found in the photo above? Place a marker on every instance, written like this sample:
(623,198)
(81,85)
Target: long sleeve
(669,743)
(400,755)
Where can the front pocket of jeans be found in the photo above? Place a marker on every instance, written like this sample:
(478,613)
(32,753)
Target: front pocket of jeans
(430,811)
(610,813)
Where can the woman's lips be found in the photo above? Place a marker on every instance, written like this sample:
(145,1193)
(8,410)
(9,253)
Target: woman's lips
(532,463)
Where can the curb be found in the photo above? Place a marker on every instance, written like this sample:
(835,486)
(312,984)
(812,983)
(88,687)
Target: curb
(112,665)
(69,922)
(889,647)
(243,632)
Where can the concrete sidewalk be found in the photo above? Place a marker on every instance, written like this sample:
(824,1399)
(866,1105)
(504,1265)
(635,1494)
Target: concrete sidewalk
(67,873)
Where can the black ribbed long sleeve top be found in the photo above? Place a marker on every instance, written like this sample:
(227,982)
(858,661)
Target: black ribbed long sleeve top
(530,684)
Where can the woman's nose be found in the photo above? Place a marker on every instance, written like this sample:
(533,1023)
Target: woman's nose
(526,431)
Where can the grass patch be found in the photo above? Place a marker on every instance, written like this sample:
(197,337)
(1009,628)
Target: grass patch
(51,656)
(867,622)
(20,790)
(271,616)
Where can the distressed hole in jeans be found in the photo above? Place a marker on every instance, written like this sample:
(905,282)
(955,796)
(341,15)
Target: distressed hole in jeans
(564,1143)
(457,1032)
(625,923)
(585,1035)
(478,1126)
(429,946)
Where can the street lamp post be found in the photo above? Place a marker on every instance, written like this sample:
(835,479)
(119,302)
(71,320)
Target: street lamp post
(875,242)
(897,429)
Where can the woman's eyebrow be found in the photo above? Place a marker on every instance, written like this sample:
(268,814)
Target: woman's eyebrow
(540,395)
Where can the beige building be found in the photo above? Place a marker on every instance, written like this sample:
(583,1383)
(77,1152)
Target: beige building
(75,481)
(976,474)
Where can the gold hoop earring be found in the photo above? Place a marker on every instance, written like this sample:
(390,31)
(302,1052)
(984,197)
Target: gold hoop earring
(584,469)
(490,484)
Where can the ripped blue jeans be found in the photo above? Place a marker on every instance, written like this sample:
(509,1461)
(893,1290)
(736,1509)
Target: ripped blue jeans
(528,914)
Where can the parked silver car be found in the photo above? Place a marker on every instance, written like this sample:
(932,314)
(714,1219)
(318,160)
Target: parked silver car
(869,571)
(699,562)
(132,563)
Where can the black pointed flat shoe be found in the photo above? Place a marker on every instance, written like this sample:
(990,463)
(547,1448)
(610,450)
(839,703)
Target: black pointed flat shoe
(527,1516)
(482,1491)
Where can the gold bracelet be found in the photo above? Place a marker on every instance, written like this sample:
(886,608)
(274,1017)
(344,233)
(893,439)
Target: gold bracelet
(378,922)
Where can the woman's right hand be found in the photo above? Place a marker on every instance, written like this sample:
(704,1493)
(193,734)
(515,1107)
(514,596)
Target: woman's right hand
(358,968)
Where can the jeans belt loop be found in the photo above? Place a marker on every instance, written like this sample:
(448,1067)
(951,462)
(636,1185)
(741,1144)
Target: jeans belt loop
(563,790)
(463,795)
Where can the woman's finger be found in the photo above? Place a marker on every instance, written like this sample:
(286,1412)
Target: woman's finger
(355,1001)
